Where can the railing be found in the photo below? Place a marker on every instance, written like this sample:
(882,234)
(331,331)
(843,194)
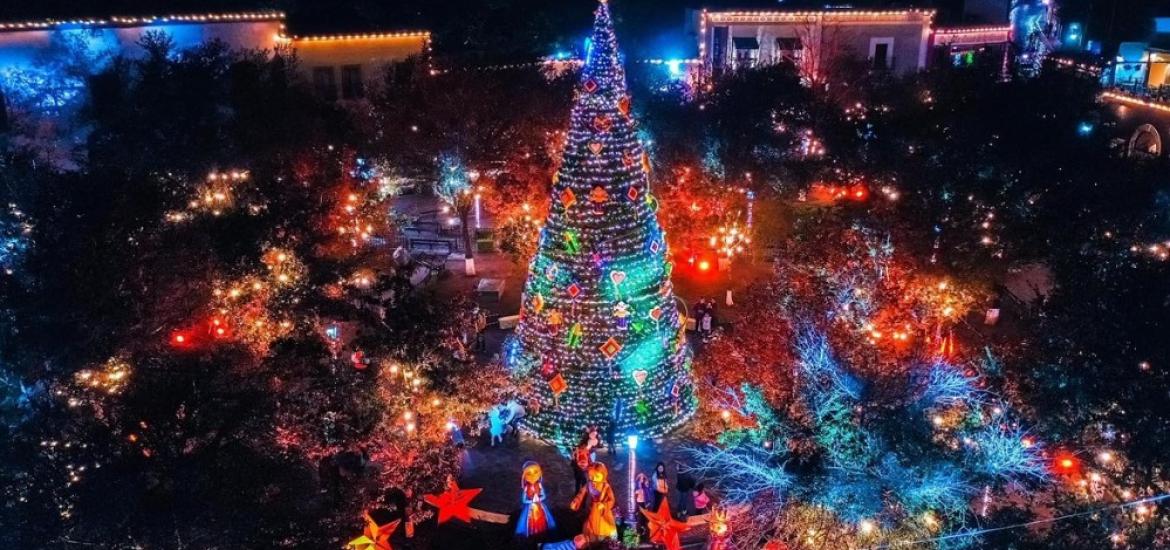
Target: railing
(1160,94)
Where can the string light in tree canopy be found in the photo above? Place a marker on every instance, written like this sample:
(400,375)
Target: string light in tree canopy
(600,329)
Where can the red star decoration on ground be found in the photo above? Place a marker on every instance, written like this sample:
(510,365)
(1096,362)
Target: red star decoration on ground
(664,529)
(453,503)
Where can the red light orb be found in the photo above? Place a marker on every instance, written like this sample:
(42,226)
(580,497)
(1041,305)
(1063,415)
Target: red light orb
(704,265)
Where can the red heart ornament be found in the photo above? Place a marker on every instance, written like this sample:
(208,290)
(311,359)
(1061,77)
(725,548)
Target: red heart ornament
(602,123)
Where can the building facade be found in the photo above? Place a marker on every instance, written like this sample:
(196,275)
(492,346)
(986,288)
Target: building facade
(894,40)
(959,46)
(339,66)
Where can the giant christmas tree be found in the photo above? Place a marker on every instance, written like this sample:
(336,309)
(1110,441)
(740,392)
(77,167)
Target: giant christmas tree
(600,333)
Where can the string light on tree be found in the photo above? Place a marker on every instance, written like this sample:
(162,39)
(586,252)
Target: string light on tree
(599,324)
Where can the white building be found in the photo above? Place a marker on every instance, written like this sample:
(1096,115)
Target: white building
(889,40)
(339,66)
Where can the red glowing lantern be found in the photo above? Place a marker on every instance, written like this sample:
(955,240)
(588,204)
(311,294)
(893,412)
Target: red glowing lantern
(181,340)
(858,192)
(1065,463)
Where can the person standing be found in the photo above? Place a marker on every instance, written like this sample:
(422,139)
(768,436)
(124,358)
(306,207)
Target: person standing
(684,484)
(581,461)
(661,484)
(701,499)
(594,437)
(611,437)
(480,327)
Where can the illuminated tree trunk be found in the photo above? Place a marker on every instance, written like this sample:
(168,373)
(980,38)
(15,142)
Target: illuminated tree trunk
(468,252)
(600,334)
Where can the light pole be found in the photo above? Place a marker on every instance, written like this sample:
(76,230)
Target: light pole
(631,505)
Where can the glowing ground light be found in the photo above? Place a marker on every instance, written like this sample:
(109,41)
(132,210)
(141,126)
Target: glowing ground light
(704,265)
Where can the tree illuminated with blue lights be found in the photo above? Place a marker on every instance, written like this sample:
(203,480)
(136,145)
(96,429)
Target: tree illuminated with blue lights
(859,467)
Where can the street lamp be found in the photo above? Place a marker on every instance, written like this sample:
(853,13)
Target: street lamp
(631,505)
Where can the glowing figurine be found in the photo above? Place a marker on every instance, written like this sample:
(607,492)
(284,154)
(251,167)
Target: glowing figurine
(599,497)
(534,514)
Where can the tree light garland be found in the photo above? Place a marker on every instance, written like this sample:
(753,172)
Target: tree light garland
(598,321)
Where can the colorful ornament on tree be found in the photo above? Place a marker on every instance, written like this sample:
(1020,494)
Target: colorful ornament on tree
(640,376)
(632,194)
(596,147)
(572,245)
(555,318)
(548,369)
(621,313)
(598,195)
(576,335)
(602,123)
(568,198)
(558,384)
(537,303)
(610,348)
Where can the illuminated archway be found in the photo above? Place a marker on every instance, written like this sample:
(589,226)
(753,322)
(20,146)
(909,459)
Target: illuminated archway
(1146,142)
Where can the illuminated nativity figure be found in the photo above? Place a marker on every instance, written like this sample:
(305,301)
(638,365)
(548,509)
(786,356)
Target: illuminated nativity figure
(535,518)
(599,500)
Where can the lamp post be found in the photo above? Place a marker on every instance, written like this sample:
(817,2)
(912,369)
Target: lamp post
(631,505)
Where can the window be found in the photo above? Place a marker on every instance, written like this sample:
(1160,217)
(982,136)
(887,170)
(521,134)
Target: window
(718,49)
(351,82)
(881,53)
(325,82)
(747,51)
(789,49)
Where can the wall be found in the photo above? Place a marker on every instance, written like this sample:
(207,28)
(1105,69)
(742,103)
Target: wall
(372,53)
(824,39)
(21,49)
